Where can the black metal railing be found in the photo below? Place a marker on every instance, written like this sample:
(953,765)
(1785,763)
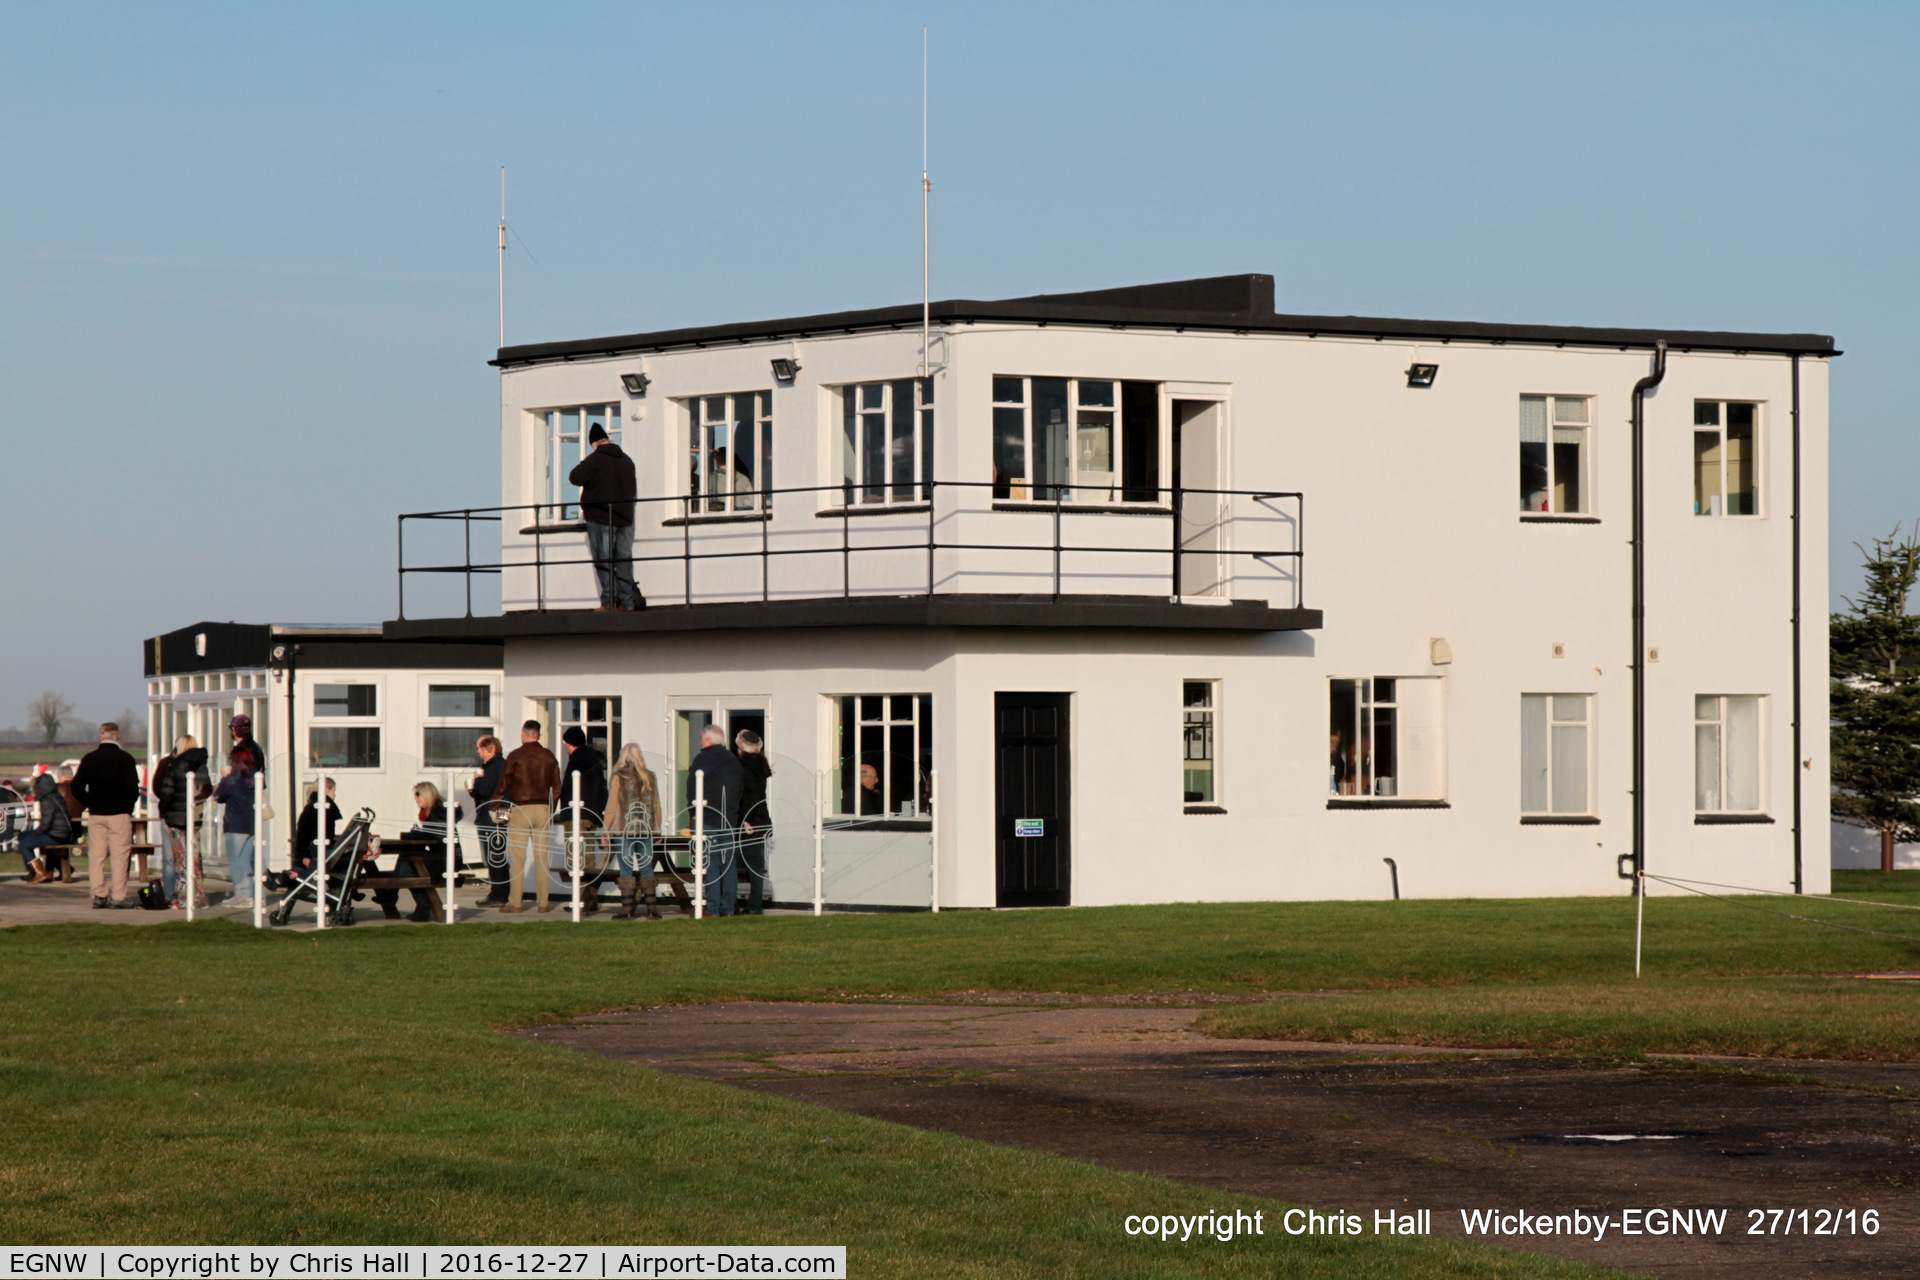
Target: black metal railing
(709,518)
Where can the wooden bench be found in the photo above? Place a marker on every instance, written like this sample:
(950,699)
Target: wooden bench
(141,851)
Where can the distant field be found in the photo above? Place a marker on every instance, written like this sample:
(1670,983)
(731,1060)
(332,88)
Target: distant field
(15,756)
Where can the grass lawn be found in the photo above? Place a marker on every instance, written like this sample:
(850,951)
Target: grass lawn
(207,1083)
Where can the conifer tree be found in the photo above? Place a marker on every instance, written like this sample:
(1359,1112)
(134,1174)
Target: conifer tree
(1875,706)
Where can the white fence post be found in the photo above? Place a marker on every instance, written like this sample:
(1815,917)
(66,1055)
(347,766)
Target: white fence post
(819,841)
(573,848)
(699,844)
(259,847)
(933,832)
(192,846)
(452,833)
(320,846)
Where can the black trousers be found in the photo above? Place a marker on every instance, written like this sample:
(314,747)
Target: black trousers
(753,869)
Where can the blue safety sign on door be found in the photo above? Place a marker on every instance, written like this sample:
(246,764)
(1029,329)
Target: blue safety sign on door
(1029,827)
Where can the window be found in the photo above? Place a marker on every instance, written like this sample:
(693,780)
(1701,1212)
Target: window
(1553,454)
(1038,455)
(887,445)
(1385,739)
(346,700)
(1725,459)
(1197,733)
(883,756)
(730,452)
(1726,753)
(458,701)
(1555,753)
(453,746)
(566,444)
(345,747)
(598,718)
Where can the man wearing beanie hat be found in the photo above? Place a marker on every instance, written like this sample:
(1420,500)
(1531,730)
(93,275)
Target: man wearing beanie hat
(607,490)
(585,761)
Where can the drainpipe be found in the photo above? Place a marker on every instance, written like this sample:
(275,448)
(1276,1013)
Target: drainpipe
(1798,883)
(1640,390)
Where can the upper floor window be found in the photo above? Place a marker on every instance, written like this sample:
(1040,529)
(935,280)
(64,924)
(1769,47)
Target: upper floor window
(730,452)
(886,451)
(1726,472)
(566,444)
(1076,440)
(1554,463)
(1726,753)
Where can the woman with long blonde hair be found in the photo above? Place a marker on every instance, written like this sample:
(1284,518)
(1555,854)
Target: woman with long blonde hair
(633,816)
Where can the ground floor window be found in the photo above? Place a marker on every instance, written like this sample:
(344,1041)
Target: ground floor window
(1386,739)
(598,718)
(1726,753)
(458,716)
(1556,753)
(883,755)
(1197,772)
(343,747)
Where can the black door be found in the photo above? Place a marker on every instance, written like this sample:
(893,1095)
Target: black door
(1032,799)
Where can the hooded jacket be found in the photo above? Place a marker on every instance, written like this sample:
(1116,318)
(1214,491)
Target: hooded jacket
(53,810)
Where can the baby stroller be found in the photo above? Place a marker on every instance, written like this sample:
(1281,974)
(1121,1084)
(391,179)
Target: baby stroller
(346,864)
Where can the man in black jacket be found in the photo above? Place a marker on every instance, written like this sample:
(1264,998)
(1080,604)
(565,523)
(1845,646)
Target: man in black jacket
(585,761)
(725,784)
(108,784)
(607,490)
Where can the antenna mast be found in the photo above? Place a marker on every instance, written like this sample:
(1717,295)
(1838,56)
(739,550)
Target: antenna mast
(503,255)
(926,243)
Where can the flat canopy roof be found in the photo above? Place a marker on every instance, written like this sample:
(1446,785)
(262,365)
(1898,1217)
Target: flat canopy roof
(1242,303)
(956,610)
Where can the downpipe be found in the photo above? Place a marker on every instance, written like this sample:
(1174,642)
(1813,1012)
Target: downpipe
(1640,390)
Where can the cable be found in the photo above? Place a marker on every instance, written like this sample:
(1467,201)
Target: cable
(1785,914)
(1859,902)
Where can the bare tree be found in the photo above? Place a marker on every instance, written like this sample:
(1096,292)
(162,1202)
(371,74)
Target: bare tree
(133,725)
(47,713)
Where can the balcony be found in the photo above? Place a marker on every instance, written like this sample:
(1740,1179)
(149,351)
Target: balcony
(944,553)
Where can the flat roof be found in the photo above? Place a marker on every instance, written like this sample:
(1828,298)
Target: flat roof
(1241,303)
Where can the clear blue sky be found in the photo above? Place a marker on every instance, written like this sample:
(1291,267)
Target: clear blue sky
(247,252)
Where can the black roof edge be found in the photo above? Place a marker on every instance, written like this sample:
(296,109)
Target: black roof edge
(1222,303)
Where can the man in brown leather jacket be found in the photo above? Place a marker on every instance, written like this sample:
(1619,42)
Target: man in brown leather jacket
(529,782)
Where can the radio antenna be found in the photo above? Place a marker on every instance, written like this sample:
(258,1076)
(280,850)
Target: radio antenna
(926,243)
(503,255)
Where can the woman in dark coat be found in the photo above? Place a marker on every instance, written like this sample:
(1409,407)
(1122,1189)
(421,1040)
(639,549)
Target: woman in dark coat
(307,828)
(53,827)
(431,830)
(175,808)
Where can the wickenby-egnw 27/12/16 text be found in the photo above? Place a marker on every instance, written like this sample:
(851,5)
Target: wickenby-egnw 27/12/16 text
(1596,1226)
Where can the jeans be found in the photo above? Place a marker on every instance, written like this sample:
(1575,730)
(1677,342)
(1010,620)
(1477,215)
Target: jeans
(240,863)
(634,852)
(612,551)
(723,872)
(30,846)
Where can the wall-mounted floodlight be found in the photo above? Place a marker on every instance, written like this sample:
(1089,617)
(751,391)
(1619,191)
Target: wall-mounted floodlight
(635,383)
(1421,375)
(785,368)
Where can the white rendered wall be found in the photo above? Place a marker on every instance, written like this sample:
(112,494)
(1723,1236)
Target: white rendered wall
(1412,532)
